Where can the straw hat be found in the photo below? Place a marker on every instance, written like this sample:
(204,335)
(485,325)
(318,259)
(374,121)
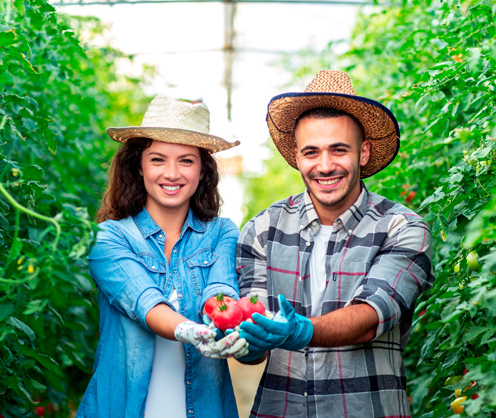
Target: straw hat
(333,89)
(174,121)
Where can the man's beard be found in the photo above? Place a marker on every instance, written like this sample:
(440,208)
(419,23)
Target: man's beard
(355,177)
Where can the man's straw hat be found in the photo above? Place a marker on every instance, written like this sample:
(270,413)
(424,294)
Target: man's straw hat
(174,121)
(333,89)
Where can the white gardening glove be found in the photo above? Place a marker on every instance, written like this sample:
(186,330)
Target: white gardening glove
(202,338)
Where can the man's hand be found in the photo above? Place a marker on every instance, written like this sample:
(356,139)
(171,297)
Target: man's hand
(288,330)
(203,338)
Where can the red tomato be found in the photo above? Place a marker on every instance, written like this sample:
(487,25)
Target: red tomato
(250,305)
(40,411)
(227,315)
(215,301)
(410,196)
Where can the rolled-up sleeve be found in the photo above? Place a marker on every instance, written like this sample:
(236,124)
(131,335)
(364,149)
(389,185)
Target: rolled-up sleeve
(222,277)
(399,273)
(251,258)
(123,279)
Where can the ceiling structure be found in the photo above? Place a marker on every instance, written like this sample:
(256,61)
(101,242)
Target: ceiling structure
(229,30)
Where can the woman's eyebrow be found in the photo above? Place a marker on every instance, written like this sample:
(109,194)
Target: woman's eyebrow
(180,156)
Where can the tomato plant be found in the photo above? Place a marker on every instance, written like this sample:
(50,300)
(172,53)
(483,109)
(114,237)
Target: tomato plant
(55,103)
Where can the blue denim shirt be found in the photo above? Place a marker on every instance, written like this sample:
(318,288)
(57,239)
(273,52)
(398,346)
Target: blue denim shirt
(132,275)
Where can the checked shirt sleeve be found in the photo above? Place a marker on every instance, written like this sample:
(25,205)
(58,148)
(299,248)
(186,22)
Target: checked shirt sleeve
(399,273)
(251,259)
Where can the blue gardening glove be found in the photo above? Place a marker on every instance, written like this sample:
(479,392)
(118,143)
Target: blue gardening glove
(288,330)
(302,327)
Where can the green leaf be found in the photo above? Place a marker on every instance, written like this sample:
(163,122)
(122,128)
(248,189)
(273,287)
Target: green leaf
(22,327)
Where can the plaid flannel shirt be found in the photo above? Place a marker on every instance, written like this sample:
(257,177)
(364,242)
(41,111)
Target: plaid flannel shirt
(379,253)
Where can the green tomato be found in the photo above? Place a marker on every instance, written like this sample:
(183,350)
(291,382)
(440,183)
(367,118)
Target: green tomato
(452,380)
(472,261)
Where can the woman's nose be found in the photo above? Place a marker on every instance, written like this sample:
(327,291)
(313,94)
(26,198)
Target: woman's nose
(171,171)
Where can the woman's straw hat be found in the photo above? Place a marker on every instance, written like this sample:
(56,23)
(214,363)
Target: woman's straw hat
(333,89)
(174,121)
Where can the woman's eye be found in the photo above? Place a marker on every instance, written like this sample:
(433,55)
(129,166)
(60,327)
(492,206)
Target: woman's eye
(156,160)
(187,161)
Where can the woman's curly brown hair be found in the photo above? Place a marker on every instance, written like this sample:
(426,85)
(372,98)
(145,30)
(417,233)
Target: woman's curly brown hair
(126,193)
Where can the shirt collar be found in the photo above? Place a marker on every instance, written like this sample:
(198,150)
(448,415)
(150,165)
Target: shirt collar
(148,227)
(348,220)
(351,218)
(194,223)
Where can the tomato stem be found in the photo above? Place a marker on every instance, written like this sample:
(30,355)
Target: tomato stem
(24,209)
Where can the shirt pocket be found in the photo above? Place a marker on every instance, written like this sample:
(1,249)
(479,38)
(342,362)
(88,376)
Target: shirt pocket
(199,264)
(346,277)
(154,268)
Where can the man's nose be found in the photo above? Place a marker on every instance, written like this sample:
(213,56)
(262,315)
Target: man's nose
(326,164)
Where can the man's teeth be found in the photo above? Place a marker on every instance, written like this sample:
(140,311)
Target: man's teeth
(171,188)
(327,182)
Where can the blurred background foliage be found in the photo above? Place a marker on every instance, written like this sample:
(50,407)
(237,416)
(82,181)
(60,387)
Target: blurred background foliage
(431,62)
(57,95)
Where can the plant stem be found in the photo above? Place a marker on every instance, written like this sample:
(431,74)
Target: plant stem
(24,209)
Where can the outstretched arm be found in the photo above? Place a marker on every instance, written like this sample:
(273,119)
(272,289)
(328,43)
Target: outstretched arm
(352,324)
(162,320)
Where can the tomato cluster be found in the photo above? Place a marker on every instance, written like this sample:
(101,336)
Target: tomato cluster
(460,397)
(226,313)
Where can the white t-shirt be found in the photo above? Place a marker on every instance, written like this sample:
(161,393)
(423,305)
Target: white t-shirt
(318,268)
(166,392)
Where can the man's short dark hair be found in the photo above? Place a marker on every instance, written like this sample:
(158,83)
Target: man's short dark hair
(327,112)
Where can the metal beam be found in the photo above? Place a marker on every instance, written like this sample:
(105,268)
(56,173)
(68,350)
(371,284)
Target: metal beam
(114,2)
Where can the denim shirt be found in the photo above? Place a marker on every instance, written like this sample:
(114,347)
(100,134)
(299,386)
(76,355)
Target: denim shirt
(132,275)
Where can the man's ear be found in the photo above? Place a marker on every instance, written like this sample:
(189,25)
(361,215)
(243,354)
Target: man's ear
(364,152)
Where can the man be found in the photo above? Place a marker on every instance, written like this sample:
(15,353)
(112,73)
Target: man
(342,266)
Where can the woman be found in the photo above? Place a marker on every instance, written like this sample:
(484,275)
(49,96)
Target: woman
(161,252)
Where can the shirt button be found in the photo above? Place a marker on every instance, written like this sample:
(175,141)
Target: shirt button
(188,383)
(314,223)
(179,295)
(175,251)
(301,278)
(153,267)
(305,394)
(188,355)
(190,412)
(309,243)
(175,271)
(205,262)
(301,227)
(160,236)
(350,231)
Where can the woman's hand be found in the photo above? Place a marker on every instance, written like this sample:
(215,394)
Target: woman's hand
(203,338)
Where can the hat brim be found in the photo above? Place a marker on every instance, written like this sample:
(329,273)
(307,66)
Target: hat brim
(378,123)
(174,136)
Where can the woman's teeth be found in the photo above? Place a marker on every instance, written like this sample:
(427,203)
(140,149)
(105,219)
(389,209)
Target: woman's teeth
(171,188)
